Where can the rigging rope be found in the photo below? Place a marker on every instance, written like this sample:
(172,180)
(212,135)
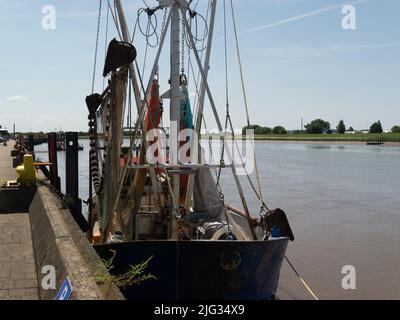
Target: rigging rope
(106,42)
(97,45)
(196,104)
(114,18)
(193,15)
(259,193)
(151,27)
(183,47)
(301,279)
(117,24)
(240,63)
(227,101)
(190,66)
(145,54)
(226,59)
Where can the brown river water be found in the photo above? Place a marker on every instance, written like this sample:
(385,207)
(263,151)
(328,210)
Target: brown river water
(343,203)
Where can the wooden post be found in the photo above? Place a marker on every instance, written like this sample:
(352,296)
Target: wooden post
(21,150)
(71,165)
(31,144)
(52,147)
(72,179)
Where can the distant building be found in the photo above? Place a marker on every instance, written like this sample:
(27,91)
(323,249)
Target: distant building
(4,132)
(4,135)
(365,131)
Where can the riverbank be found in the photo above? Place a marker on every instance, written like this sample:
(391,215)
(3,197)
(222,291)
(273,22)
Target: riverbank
(369,137)
(331,138)
(328,142)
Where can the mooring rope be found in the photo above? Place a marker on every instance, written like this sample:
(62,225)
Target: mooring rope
(301,279)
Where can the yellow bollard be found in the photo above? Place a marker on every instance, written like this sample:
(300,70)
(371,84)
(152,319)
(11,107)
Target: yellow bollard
(26,172)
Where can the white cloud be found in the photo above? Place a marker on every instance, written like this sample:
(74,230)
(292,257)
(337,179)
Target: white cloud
(17,98)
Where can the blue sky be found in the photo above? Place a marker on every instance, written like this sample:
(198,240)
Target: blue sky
(298,61)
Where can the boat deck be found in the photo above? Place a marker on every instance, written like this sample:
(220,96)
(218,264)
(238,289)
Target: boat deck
(18,277)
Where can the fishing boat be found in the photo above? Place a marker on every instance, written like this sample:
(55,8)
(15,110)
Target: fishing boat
(157,206)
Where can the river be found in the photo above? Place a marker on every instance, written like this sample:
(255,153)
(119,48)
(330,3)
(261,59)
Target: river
(343,203)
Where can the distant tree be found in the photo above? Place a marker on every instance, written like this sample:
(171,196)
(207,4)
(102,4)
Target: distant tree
(317,126)
(251,127)
(297,132)
(396,129)
(341,127)
(279,130)
(351,129)
(376,128)
(257,129)
(263,130)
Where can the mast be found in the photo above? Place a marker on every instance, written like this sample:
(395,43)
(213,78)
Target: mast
(126,38)
(213,106)
(179,24)
(200,109)
(175,110)
(206,68)
(175,113)
(141,104)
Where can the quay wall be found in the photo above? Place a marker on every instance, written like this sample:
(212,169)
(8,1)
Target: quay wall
(59,242)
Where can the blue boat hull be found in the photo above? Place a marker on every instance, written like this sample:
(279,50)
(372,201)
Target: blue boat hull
(201,270)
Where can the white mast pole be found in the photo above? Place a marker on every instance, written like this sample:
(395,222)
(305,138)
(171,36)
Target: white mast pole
(175,112)
(206,67)
(202,93)
(228,153)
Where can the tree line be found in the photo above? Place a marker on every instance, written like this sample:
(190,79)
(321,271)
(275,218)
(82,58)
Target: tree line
(317,126)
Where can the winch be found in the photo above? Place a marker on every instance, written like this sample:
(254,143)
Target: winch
(215,231)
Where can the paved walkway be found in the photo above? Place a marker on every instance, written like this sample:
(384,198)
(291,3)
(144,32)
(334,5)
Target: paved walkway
(18,278)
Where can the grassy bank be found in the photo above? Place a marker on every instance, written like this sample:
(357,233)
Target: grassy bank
(387,137)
